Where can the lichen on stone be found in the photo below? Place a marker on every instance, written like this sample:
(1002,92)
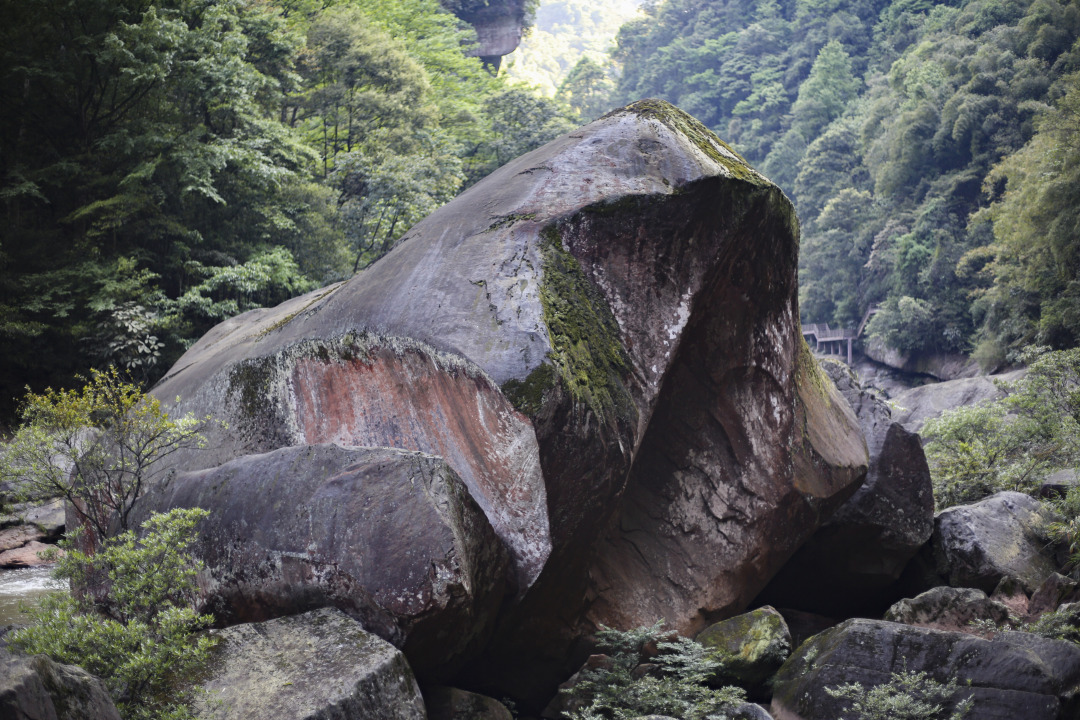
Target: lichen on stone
(587,348)
(680,122)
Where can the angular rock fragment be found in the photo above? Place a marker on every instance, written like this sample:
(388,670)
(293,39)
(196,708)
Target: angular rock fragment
(321,664)
(750,647)
(1005,534)
(390,537)
(1014,675)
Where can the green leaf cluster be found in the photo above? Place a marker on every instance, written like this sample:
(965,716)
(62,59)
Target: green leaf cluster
(1011,443)
(130,618)
(100,447)
(906,696)
(675,686)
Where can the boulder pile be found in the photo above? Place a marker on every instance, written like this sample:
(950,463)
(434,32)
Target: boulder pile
(595,405)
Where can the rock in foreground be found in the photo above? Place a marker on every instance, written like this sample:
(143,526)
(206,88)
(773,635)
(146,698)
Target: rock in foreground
(317,665)
(1015,675)
(36,688)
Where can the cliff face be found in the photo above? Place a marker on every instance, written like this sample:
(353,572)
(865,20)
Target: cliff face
(499,25)
(601,340)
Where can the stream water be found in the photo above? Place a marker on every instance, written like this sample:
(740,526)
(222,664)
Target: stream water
(27,586)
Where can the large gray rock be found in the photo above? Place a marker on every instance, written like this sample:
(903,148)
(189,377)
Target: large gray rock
(917,405)
(321,664)
(389,536)
(852,563)
(36,688)
(1014,675)
(946,608)
(624,296)
(1006,534)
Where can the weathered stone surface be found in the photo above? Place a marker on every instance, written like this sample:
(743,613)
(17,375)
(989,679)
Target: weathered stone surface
(447,703)
(854,560)
(946,608)
(751,648)
(1005,534)
(389,536)
(631,288)
(1014,675)
(28,555)
(917,405)
(321,664)
(1054,591)
(361,389)
(17,536)
(751,711)
(36,688)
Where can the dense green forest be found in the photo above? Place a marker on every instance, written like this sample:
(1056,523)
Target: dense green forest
(931,150)
(165,164)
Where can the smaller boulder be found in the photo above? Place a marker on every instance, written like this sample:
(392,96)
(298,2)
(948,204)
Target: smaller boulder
(751,648)
(321,664)
(946,608)
(1005,534)
(447,703)
(29,555)
(1013,675)
(1054,591)
(36,688)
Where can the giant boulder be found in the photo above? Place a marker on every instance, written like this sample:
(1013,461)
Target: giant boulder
(853,562)
(391,537)
(613,312)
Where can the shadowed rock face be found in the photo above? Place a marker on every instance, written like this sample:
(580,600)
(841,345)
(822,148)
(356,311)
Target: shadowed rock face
(614,311)
(853,562)
(499,25)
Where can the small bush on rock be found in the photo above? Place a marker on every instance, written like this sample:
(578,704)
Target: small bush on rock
(907,696)
(131,617)
(675,686)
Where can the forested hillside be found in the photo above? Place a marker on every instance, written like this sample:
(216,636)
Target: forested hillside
(165,164)
(931,149)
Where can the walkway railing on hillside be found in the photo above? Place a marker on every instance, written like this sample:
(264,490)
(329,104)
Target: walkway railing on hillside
(832,340)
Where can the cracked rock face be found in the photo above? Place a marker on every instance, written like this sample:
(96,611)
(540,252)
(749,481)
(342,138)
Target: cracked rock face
(601,340)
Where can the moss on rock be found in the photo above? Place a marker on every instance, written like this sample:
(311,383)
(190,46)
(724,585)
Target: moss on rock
(586,347)
(704,139)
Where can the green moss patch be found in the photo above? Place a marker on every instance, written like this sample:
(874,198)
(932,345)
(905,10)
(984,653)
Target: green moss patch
(586,347)
(704,139)
(528,395)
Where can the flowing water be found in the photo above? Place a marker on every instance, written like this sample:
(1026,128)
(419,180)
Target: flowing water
(27,585)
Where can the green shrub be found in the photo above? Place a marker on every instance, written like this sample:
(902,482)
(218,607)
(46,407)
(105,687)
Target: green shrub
(99,447)
(907,696)
(676,687)
(130,618)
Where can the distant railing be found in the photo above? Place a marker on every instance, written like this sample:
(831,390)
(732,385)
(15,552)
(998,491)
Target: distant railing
(831,340)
